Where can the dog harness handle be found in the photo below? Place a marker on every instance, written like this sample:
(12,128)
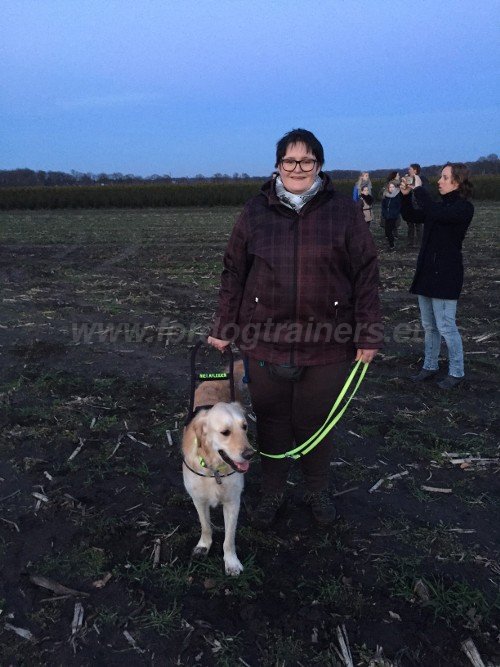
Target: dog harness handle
(207,377)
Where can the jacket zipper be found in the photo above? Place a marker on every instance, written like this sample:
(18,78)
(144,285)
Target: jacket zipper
(295,279)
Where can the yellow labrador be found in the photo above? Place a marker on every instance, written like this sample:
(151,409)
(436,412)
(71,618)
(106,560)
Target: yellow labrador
(216,452)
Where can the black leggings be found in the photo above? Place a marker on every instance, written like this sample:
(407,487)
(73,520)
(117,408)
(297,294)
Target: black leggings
(390,226)
(288,413)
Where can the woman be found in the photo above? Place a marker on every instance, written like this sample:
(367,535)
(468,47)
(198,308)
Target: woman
(363,181)
(366,201)
(391,208)
(393,176)
(299,296)
(439,275)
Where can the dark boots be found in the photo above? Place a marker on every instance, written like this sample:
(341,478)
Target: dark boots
(322,507)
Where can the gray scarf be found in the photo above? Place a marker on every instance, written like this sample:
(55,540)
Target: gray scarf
(296,202)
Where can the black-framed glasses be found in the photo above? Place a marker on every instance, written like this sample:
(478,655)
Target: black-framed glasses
(306,164)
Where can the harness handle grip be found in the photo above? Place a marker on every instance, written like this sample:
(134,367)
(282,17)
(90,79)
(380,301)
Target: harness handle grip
(194,377)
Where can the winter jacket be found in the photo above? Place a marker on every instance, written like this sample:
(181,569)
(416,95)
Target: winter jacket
(366,202)
(391,205)
(358,186)
(300,288)
(439,273)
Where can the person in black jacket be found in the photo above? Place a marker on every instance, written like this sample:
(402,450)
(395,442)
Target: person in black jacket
(391,207)
(366,202)
(439,274)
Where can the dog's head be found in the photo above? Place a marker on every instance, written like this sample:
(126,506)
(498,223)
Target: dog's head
(223,430)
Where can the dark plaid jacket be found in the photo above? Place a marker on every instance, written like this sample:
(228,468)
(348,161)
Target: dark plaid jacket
(300,288)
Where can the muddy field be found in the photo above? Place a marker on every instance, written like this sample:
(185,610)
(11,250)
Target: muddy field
(98,310)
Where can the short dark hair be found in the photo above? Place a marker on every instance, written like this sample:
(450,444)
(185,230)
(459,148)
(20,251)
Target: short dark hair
(416,166)
(460,173)
(300,136)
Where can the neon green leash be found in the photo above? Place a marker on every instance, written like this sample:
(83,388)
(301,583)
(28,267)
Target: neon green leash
(330,421)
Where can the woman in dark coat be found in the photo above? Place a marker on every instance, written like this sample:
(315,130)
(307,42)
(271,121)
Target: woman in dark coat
(391,208)
(299,297)
(439,275)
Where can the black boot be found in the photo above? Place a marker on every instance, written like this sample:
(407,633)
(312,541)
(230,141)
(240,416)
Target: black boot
(450,382)
(267,510)
(423,375)
(322,507)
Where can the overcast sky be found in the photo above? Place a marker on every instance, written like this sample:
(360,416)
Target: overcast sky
(183,87)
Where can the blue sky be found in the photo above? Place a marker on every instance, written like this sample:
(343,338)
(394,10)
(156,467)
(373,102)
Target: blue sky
(180,87)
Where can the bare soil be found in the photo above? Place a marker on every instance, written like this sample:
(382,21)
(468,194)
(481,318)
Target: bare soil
(91,492)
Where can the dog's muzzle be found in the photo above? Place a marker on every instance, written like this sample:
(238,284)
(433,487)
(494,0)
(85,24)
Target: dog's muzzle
(238,467)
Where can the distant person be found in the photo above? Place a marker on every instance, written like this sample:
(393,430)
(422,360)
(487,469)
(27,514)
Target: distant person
(439,275)
(366,201)
(300,256)
(414,217)
(362,182)
(391,208)
(392,177)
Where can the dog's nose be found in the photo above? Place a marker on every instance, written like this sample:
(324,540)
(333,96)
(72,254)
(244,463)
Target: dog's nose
(247,454)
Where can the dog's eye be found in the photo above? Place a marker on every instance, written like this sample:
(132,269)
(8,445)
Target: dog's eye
(244,427)
(226,432)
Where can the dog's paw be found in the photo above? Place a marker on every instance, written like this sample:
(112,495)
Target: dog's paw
(200,552)
(233,566)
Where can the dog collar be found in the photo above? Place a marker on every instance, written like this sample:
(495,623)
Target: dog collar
(216,473)
(222,467)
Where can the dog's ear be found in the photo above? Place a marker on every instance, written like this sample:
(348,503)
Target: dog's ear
(200,427)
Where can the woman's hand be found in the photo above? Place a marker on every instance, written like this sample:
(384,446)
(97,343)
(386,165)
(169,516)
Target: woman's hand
(366,355)
(218,343)
(404,187)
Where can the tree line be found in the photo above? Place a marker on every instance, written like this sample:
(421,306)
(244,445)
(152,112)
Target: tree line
(9,178)
(232,193)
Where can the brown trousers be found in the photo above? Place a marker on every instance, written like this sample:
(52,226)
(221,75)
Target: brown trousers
(288,413)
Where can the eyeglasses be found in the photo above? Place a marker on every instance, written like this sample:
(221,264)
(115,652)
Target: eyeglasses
(306,164)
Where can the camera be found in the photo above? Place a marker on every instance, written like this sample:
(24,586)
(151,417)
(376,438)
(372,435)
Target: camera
(409,179)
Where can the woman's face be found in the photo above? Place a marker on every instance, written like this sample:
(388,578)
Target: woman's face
(446,183)
(365,176)
(298,181)
(391,187)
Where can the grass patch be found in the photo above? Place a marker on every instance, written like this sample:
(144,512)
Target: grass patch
(172,579)
(77,563)
(247,586)
(164,623)
(450,601)
(336,593)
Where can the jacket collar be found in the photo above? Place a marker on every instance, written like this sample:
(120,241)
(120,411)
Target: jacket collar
(450,197)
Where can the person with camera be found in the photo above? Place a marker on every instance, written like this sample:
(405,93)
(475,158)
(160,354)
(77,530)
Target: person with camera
(299,297)
(414,217)
(439,273)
